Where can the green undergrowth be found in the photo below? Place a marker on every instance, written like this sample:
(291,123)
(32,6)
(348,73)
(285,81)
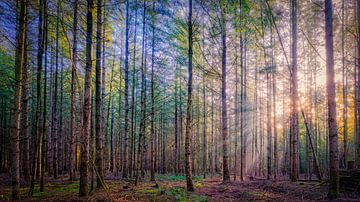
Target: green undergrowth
(51,190)
(174,193)
(181,194)
(177,178)
(177,193)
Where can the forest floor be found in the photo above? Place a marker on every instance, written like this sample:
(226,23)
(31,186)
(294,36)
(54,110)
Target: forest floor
(173,188)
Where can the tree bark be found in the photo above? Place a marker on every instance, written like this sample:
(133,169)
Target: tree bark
(237,118)
(152,132)
(16,110)
(126,136)
(268,127)
(224,127)
(24,128)
(43,137)
(98,100)
(331,104)
(188,132)
(54,129)
(176,129)
(110,111)
(133,95)
(141,141)
(294,173)
(84,161)
(36,133)
(73,96)
(104,131)
(204,130)
(344,85)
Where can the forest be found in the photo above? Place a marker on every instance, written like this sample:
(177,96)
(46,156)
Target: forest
(179,100)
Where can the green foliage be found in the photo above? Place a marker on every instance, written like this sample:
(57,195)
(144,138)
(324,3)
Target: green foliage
(177,178)
(51,190)
(7,74)
(181,194)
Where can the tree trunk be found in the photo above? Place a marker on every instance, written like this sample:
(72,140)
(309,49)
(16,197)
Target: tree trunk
(212,151)
(84,161)
(126,137)
(141,141)
(152,132)
(35,130)
(103,130)
(176,129)
(61,136)
(237,118)
(24,128)
(188,132)
(43,137)
(15,130)
(274,106)
(133,101)
(344,85)
(54,130)
(331,104)
(224,127)
(98,100)
(204,129)
(110,111)
(268,127)
(294,173)
(73,96)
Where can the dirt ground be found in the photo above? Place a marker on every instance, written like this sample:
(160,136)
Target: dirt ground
(173,188)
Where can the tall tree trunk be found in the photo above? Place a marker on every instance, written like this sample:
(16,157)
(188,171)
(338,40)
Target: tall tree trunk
(35,129)
(110,111)
(24,128)
(181,138)
(224,127)
(104,131)
(212,153)
(43,137)
(61,136)
(98,100)
(141,142)
(84,161)
(274,106)
(176,129)
(331,104)
(243,109)
(188,132)
(204,129)
(73,96)
(256,126)
(120,137)
(50,119)
(344,84)
(268,126)
(15,129)
(126,137)
(237,118)
(294,173)
(133,101)
(54,130)
(152,132)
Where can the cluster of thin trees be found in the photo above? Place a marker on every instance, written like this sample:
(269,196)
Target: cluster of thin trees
(72,111)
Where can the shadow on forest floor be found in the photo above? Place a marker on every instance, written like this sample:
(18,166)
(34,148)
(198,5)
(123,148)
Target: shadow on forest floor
(173,188)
